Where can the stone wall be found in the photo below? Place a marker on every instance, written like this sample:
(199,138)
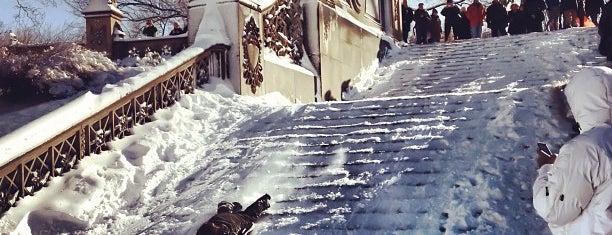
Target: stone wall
(122,47)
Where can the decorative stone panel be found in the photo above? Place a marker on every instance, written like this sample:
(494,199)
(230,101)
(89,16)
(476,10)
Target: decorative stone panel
(283,29)
(251,64)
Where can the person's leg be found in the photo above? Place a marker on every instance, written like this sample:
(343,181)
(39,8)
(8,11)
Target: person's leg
(424,36)
(478,31)
(575,20)
(553,18)
(405,31)
(608,47)
(538,26)
(494,31)
(456,31)
(593,16)
(581,12)
(567,19)
(502,31)
(447,29)
(603,48)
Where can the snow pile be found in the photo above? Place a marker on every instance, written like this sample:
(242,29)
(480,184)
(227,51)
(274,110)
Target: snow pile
(59,71)
(453,157)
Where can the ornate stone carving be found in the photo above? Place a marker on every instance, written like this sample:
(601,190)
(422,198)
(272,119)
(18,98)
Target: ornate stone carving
(251,46)
(283,29)
(97,33)
(355,4)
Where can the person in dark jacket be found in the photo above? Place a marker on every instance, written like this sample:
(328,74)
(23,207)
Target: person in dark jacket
(605,30)
(230,219)
(451,19)
(149,30)
(177,29)
(407,18)
(497,19)
(534,11)
(516,20)
(593,8)
(553,11)
(581,12)
(463,28)
(435,27)
(421,20)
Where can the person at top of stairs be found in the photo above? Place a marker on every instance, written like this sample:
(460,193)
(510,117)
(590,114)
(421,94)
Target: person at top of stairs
(451,19)
(497,19)
(605,31)
(516,20)
(435,27)
(421,20)
(476,14)
(407,18)
(534,11)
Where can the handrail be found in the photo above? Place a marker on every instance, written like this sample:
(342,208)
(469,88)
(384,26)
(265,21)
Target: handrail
(29,172)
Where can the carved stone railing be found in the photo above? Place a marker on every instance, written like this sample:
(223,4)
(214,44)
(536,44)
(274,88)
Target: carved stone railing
(28,173)
(173,44)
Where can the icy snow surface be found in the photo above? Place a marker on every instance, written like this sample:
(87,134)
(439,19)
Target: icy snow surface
(438,139)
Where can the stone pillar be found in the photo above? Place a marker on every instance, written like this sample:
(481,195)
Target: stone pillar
(101,18)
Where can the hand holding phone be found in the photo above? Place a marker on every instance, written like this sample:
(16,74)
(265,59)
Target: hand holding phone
(544,148)
(545,156)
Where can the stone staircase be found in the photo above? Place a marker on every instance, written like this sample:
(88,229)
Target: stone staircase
(404,157)
(443,148)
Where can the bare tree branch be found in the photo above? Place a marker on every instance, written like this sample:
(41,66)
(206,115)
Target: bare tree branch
(137,12)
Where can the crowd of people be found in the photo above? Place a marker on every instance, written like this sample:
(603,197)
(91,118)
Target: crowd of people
(530,16)
(150,30)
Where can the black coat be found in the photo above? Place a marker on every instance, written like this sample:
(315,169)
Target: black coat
(435,28)
(605,30)
(569,5)
(176,31)
(240,222)
(516,20)
(451,14)
(463,28)
(534,7)
(407,15)
(421,19)
(150,31)
(552,3)
(593,6)
(497,16)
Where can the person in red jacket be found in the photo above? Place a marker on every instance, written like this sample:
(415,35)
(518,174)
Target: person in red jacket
(476,15)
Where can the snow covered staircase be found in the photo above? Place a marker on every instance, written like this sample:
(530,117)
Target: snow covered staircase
(443,145)
(459,66)
(406,165)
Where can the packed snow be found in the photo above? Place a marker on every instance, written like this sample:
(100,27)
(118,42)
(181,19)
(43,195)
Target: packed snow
(436,139)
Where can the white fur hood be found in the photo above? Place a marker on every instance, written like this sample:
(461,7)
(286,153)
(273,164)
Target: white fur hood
(589,95)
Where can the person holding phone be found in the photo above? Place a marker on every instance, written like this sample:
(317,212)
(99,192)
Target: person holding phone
(573,190)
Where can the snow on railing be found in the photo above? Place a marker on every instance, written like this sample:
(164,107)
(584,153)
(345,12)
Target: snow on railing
(26,170)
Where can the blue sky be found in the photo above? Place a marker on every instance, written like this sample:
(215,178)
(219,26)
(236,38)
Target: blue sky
(55,16)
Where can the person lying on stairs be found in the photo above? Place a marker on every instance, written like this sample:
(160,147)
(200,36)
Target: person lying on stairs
(230,219)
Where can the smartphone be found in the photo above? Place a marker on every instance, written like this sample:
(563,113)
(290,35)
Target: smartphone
(545,149)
